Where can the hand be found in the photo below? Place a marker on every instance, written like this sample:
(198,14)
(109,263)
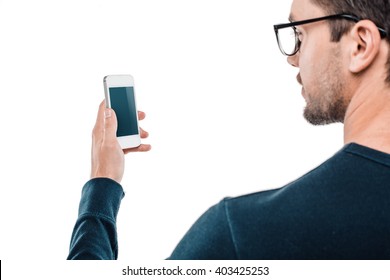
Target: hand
(107,155)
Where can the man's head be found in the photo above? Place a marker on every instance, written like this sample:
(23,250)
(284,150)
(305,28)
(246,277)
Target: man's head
(340,55)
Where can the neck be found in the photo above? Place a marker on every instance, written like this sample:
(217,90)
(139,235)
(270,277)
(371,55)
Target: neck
(367,120)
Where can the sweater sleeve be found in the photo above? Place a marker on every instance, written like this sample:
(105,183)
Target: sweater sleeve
(94,235)
(209,238)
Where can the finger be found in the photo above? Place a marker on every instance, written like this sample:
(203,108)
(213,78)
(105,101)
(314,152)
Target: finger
(143,133)
(99,125)
(141,115)
(110,124)
(140,148)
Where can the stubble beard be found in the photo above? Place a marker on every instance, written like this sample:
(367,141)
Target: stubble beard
(328,104)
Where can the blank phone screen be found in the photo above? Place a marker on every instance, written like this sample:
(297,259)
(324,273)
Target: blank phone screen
(123,103)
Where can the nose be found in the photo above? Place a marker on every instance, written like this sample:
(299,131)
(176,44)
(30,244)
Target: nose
(293,60)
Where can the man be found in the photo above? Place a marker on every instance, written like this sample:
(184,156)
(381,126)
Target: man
(340,210)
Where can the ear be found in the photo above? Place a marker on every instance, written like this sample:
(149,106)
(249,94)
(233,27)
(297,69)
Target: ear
(365,46)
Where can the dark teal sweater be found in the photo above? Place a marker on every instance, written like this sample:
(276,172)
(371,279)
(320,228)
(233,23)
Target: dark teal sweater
(340,210)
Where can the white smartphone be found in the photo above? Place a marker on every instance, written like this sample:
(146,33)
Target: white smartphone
(120,96)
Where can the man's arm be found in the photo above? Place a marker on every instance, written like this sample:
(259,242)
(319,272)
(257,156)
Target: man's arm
(94,235)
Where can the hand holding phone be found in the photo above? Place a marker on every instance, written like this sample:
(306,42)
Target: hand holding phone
(107,153)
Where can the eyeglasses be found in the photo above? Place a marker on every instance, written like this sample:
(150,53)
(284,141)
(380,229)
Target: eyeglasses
(288,36)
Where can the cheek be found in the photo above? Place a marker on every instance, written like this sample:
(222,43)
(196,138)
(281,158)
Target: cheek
(312,48)
(309,65)
(306,70)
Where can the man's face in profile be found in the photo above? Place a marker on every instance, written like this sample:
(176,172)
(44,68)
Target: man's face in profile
(320,64)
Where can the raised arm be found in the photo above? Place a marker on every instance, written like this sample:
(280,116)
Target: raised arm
(94,235)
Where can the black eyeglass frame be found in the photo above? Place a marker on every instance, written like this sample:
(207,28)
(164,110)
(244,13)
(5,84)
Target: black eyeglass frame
(353,18)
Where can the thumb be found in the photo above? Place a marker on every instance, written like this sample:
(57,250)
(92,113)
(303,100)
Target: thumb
(110,124)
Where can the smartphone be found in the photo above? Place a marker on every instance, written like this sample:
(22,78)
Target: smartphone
(120,96)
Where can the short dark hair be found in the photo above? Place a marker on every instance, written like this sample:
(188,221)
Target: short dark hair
(378,11)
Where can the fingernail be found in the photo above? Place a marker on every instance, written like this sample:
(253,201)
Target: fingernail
(107,113)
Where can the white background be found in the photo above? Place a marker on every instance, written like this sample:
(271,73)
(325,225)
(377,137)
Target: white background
(224,113)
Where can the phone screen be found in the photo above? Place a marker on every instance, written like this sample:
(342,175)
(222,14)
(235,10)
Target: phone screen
(123,103)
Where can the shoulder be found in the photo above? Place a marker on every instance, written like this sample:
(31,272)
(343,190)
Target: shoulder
(209,238)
